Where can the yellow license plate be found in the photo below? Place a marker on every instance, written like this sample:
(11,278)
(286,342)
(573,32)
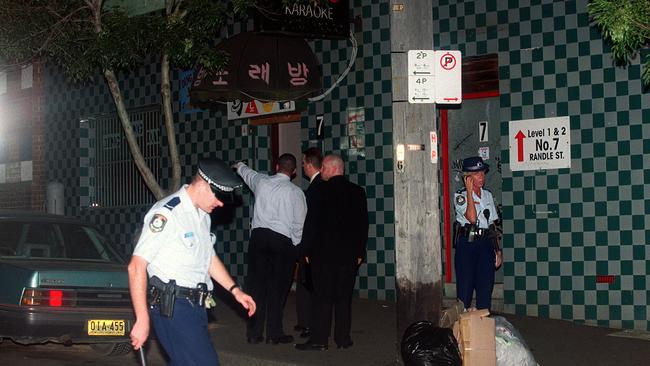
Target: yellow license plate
(103,327)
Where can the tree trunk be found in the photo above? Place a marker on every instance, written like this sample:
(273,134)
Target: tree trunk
(165,90)
(149,178)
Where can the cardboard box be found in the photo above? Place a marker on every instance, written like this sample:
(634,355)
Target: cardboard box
(476,338)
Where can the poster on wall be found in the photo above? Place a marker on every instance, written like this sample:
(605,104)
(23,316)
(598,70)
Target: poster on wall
(538,144)
(356,131)
(186,77)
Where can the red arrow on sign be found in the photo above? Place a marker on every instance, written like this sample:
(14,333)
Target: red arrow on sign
(450,99)
(520,145)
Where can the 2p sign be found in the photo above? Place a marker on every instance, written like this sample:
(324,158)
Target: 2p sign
(434,77)
(543,143)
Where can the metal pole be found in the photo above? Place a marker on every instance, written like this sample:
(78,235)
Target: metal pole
(143,359)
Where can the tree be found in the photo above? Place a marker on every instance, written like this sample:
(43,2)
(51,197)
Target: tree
(85,37)
(626,23)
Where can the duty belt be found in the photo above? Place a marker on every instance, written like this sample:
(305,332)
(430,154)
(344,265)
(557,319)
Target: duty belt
(478,233)
(165,294)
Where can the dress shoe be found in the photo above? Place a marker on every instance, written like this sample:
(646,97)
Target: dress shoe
(281,339)
(310,346)
(344,345)
(300,328)
(305,333)
(255,340)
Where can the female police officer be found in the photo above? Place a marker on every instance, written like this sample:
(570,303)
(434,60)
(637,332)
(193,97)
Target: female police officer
(176,250)
(477,255)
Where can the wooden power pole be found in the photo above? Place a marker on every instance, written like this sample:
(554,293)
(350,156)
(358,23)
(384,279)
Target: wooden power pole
(417,209)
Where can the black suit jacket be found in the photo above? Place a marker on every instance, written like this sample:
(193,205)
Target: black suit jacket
(336,226)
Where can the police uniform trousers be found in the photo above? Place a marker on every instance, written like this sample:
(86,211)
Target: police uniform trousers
(271,259)
(333,288)
(185,335)
(474,264)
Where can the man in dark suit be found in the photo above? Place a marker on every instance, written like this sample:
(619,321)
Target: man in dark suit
(312,160)
(335,236)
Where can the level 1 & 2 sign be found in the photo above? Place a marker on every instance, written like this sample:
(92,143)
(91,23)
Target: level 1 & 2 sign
(543,143)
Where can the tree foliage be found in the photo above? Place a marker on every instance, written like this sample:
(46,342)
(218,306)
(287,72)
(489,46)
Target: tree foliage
(626,23)
(65,32)
(87,39)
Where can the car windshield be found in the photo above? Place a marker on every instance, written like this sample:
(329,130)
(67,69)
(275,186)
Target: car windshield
(51,240)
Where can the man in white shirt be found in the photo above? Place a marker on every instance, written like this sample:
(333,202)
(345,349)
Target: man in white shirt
(278,217)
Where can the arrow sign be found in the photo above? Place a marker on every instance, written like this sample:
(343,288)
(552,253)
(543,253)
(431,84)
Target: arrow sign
(520,145)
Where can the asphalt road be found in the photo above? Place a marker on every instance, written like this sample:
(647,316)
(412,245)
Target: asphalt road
(52,354)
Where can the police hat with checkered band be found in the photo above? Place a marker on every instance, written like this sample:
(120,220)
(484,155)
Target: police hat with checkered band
(475,164)
(220,177)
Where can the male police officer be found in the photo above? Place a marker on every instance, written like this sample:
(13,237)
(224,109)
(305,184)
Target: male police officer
(476,254)
(176,250)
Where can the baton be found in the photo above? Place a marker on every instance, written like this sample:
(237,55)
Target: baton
(143,359)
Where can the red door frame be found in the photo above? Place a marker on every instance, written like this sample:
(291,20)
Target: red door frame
(444,160)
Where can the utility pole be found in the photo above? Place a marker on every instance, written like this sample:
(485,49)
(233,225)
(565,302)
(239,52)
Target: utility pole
(417,209)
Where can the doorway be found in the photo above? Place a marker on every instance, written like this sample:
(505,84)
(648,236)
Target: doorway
(286,138)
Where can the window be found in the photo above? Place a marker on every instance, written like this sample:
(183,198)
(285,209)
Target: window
(113,176)
(47,240)
(27,77)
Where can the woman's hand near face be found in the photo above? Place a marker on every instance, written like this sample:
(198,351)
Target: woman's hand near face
(469,183)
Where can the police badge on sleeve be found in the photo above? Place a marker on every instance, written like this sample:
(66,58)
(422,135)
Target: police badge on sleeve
(460,200)
(157,223)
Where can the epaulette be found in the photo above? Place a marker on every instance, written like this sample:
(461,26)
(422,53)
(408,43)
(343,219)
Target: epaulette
(461,190)
(172,203)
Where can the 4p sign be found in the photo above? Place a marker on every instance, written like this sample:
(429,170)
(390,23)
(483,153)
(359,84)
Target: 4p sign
(543,143)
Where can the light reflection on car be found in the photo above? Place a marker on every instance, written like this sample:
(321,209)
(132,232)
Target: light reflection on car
(61,281)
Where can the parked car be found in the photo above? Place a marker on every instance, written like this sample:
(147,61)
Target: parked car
(62,281)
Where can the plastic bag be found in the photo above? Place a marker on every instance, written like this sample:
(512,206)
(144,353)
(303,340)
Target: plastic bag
(510,346)
(424,344)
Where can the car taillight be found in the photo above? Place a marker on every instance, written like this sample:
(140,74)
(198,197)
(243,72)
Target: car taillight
(47,297)
(56,297)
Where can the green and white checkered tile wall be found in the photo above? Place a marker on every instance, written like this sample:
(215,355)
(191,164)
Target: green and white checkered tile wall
(207,133)
(552,62)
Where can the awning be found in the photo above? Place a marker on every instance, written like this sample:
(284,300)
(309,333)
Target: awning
(263,67)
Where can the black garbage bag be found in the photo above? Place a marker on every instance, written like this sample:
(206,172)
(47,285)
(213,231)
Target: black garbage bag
(424,344)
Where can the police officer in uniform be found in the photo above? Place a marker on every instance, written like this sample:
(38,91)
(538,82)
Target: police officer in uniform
(477,252)
(175,252)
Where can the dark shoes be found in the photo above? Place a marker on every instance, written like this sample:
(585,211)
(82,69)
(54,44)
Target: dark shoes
(344,345)
(255,340)
(310,346)
(283,339)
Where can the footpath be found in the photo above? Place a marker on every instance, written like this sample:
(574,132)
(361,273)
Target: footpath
(552,342)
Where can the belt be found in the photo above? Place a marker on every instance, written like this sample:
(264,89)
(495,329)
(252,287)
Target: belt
(198,294)
(478,233)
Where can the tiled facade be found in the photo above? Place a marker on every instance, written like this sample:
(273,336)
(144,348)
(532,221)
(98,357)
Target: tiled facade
(552,63)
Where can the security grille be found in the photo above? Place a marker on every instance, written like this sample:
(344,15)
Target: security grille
(117,179)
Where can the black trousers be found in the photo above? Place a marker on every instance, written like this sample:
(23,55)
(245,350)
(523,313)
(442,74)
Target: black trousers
(271,257)
(333,287)
(303,297)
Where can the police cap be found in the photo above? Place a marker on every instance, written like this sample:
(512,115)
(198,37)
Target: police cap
(220,177)
(475,164)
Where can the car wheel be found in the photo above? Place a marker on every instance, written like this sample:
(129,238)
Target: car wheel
(112,349)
